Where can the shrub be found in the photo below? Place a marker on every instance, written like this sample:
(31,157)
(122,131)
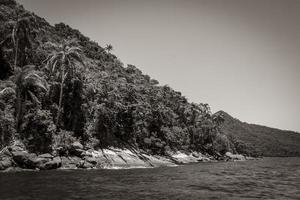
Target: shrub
(37,130)
(62,142)
(221,144)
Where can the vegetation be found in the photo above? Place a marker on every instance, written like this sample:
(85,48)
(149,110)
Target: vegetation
(76,90)
(258,140)
(61,62)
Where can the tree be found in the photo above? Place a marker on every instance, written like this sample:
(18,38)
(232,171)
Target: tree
(28,82)
(218,119)
(20,35)
(109,48)
(5,67)
(7,110)
(62,62)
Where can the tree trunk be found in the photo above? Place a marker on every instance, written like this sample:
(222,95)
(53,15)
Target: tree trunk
(60,97)
(19,109)
(16,54)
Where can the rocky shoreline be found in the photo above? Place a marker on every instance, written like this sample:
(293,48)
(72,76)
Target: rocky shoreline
(16,158)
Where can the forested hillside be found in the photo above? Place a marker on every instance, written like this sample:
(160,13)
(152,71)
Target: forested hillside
(260,139)
(58,86)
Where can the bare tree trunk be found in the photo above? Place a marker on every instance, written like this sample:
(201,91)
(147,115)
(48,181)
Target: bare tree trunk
(60,97)
(19,109)
(16,54)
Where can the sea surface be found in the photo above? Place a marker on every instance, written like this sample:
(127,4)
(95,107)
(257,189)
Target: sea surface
(268,178)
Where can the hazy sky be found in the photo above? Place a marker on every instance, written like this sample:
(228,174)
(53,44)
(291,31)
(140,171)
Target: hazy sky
(240,56)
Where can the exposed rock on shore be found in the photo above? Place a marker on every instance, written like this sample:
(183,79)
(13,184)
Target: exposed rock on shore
(236,157)
(16,157)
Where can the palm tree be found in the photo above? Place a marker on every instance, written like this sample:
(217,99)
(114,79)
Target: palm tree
(109,48)
(29,83)
(218,118)
(62,60)
(21,36)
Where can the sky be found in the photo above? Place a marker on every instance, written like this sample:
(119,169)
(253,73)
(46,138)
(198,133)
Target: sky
(240,56)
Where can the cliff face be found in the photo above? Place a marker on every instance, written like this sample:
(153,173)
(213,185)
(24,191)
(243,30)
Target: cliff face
(260,139)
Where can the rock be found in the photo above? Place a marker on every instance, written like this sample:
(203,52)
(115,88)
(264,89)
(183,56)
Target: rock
(70,162)
(87,153)
(14,169)
(235,156)
(5,153)
(204,159)
(250,158)
(159,145)
(76,145)
(5,163)
(86,165)
(40,162)
(76,149)
(25,159)
(46,155)
(52,164)
(91,160)
(195,154)
(78,152)
(13,149)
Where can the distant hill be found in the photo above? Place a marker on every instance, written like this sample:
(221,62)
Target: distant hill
(261,139)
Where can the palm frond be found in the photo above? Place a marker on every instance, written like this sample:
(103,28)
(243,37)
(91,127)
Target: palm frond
(34,80)
(50,44)
(74,49)
(29,77)
(14,32)
(54,66)
(34,98)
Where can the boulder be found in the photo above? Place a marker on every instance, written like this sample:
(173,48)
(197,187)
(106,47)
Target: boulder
(87,153)
(196,154)
(77,152)
(25,159)
(91,160)
(46,155)
(5,153)
(52,164)
(159,145)
(5,163)
(14,169)
(16,148)
(40,162)
(203,159)
(235,156)
(76,145)
(86,165)
(70,162)
(76,149)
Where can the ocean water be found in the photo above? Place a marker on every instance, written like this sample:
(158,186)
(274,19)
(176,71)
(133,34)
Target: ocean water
(268,178)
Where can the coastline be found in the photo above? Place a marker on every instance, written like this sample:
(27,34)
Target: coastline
(15,158)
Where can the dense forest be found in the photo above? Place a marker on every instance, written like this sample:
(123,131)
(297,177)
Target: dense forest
(58,86)
(260,139)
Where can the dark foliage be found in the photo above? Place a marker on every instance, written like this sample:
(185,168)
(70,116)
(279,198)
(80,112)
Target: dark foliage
(5,68)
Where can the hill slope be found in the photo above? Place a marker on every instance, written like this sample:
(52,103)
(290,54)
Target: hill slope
(262,139)
(58,87)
